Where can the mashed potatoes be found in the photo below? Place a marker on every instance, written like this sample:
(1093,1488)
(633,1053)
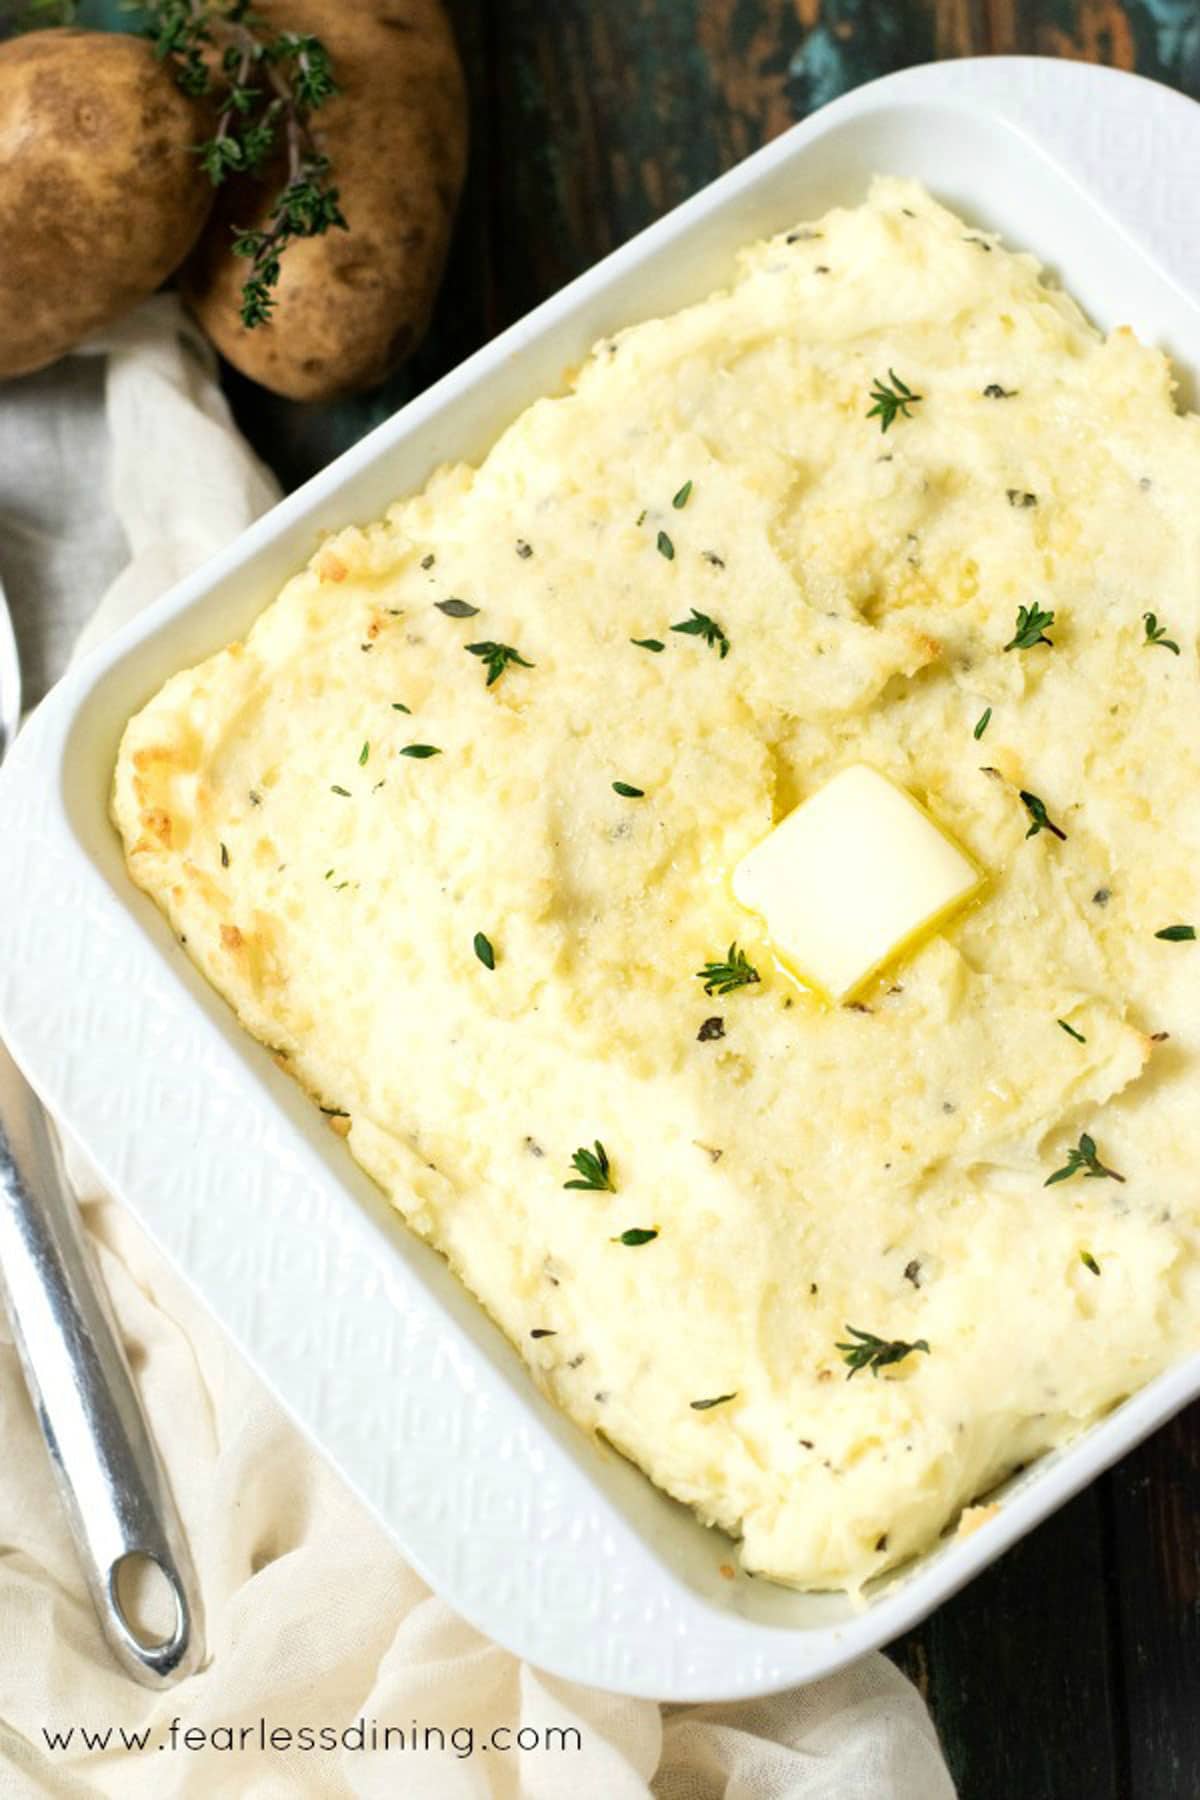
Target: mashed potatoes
(466,896)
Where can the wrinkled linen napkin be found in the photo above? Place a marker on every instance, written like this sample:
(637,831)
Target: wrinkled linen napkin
(120,470)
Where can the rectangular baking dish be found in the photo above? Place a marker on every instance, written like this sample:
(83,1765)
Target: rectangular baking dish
(550,1544)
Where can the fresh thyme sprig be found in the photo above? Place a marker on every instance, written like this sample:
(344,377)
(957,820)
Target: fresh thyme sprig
(594,1169)
(1083,1160)
(265,86)
(1040,819)
(701,626)
(892,402)
(723,977)
(496,658)
(1032,626)
(875,1353)
(1157,634)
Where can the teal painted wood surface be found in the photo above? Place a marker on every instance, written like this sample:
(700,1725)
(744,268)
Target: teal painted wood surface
(1071,1669)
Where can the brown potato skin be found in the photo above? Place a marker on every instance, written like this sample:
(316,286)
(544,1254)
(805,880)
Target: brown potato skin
(351,305)
(100,196)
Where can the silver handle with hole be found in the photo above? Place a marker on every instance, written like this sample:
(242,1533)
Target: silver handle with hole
(108,1474)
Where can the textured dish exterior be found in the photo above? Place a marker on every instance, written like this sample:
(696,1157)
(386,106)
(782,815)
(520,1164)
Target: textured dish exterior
(480,1491)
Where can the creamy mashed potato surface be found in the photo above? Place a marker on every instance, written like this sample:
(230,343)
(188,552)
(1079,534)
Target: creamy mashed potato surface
(803,1169)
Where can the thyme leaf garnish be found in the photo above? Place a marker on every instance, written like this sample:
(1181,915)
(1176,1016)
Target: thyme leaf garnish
(496,658)
(891,402)
(594,1170)
(1041,820)
(665,546)
(875,1353)
(655,644)
(1071,1031)
(420,751)
(628,793)
(707,1405)
(1157,634)
(682,497)
(636,1236)
(1032,625)
(723,977)
(982,723)
(1082,1159)
(484,951)
(1089,1261)
(1177,934)
(454,608)
(701,626)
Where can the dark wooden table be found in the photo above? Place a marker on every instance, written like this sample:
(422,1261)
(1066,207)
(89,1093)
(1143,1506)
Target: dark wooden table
(1072,1668)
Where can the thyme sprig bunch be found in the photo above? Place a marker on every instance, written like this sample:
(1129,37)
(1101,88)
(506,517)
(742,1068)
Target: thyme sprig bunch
(265,86)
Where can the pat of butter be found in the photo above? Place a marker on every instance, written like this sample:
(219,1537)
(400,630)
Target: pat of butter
(850,878)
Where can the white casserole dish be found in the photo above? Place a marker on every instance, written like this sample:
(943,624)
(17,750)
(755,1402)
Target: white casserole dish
(554,1547)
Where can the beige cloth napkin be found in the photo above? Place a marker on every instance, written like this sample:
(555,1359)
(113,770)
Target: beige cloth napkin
(121,470)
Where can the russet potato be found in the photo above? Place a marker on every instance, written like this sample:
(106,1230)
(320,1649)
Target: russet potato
(100,194)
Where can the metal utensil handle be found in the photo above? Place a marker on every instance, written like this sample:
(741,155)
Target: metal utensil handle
(109,1477)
